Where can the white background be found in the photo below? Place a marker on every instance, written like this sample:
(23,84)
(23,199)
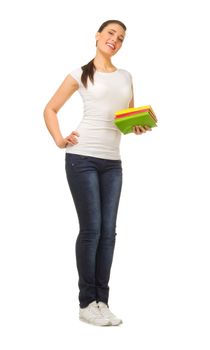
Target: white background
(159,282)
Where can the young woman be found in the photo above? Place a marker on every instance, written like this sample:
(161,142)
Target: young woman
(93,165)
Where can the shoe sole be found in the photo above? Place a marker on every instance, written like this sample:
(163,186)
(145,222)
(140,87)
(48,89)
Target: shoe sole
(116,324)
(94,324)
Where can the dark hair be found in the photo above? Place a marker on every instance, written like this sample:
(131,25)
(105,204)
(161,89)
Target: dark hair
(89,68)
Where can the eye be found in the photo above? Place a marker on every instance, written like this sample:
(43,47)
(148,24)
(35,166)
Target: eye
(119,38)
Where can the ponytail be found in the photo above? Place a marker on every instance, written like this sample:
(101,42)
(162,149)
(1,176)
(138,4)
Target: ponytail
(88,72)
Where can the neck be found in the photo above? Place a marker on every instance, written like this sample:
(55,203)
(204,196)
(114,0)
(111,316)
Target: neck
(103,63)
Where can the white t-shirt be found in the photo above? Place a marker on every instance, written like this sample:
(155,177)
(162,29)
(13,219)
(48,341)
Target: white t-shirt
(99,137)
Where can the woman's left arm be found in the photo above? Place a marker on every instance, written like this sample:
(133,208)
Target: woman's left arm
(138,129)
(131,104)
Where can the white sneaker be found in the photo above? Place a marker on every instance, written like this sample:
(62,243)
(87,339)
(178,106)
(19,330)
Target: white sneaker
(108,314)
(91,314)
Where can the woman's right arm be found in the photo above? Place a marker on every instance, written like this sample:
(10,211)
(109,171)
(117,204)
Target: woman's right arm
(64,92)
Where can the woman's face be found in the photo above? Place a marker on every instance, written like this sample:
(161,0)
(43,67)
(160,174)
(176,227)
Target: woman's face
(110,40)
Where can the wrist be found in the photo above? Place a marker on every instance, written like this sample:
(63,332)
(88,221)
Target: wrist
(60,141)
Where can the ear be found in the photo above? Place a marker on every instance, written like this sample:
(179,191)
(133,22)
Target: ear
(97,36)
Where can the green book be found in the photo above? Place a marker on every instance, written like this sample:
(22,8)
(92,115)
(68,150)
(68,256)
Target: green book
(126,124)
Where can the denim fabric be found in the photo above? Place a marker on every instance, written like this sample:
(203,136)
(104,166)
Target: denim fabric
(95,185)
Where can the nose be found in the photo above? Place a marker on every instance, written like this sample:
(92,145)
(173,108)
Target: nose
(113,39)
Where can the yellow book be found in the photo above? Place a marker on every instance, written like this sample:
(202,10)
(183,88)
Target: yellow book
(134,109)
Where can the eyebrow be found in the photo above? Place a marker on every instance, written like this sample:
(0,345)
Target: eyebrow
(115,32)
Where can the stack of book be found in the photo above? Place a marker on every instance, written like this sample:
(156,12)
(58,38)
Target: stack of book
(126,119)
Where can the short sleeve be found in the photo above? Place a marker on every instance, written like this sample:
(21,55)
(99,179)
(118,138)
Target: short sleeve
(76,74)
(131,78)
(131,83)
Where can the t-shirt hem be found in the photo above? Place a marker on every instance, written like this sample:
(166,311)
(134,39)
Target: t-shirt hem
(104,156)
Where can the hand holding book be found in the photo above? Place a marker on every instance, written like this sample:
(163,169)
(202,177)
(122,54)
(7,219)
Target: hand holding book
(139,129)
(136,120)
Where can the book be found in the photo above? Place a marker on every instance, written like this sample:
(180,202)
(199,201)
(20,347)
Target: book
(126,119)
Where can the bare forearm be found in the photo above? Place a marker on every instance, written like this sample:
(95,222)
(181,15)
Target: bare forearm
(52,124)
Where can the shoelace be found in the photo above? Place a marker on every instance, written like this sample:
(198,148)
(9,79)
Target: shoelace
(95,311)
(106,312)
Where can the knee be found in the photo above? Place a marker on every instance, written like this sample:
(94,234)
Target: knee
(89,235)
(108,233)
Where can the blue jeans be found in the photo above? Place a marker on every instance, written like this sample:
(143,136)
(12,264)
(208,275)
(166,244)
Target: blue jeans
(95,185)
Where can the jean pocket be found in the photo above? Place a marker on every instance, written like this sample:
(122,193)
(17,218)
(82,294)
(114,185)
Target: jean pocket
(83,157)
(76,160)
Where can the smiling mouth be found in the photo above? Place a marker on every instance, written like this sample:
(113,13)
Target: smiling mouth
(111,46)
